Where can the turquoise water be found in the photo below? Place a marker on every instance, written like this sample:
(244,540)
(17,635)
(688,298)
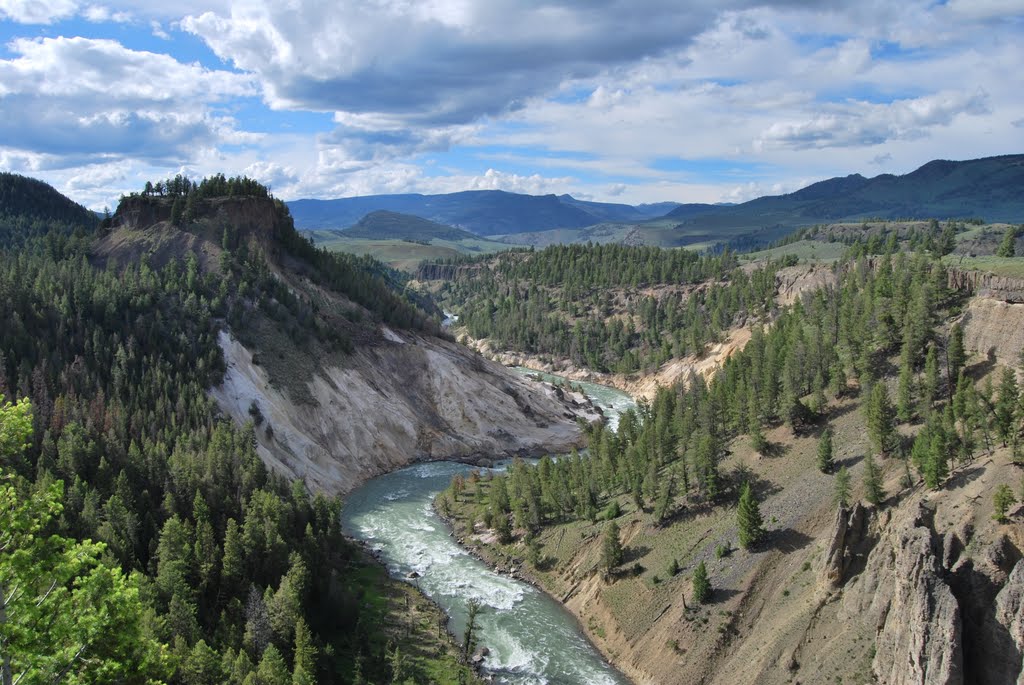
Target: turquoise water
(531,638)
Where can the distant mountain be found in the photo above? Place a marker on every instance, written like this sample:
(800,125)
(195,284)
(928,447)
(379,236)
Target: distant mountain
(484,212)
(608,211)
(386,225)
(990,188)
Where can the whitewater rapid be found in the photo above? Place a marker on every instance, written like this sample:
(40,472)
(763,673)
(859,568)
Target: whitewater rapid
(531,638)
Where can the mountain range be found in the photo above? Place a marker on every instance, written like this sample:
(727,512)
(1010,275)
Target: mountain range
(988,188)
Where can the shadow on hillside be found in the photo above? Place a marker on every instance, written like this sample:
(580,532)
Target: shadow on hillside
(787,540)
(961,478)
(633,553)
(719,595)
(839,412)
(741,474)
(848,462)
(980,369)
(774,450)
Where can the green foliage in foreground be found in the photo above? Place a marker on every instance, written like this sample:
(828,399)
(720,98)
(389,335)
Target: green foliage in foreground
(173,553)
(66,614)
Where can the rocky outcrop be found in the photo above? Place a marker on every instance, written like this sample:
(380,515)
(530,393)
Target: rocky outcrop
(1009,615)
(849,542)
(988,285)
(993,326)
(431,271)
(902,592)
(793,281)
(412,398)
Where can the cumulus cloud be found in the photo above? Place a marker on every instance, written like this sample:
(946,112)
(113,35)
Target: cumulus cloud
(99,14)
(439,63)
(79,96)
(595,95)
(859,124)
(37,11)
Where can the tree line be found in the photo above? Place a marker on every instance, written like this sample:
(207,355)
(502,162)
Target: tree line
(666,456)
(579,302)
(173,553)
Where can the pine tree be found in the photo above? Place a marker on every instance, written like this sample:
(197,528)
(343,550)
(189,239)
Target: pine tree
(936,465)
(956,356)
(1006,406)
(469,637)
(873,491)
(1001,501)
(842,487)
(666,494)
(1007,248)
(825,458)
(930,386)
(304,670)
(177,210)
(701,584)
(748,518)
(611,548)
(881,429)
(905,391)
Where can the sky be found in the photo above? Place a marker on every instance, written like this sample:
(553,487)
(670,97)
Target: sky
(629,101)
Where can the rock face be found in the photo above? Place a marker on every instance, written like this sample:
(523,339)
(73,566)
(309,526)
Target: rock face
(847,545)
(793,281)
(902,591)
(1010,615)
(987,285)
(411,398)
(996,326)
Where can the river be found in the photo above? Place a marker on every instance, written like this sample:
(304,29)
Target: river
(532,638)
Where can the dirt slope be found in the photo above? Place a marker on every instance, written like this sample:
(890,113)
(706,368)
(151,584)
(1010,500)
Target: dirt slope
(412,398)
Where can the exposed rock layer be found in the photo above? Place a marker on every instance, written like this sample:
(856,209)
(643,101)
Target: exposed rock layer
(903,592)
(411,398)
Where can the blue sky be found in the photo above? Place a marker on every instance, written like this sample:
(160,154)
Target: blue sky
(611,100)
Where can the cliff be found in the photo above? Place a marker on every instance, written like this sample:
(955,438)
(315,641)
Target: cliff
(330,413)
(411,398)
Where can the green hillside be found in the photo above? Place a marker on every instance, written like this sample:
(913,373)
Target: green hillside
(31,208)
(386,225)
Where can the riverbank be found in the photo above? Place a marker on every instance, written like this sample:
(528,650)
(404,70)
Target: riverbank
(511,560)
(531,638)
(411,621)
(640,384)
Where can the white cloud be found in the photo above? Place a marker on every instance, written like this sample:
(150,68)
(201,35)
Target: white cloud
(79,96)
(37,11)
(158,30)
(436,63)
(99,14)
(600,98)
(861,124)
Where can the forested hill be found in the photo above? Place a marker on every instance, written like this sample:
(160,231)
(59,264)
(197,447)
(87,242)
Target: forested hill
(150,543)
(385,225)
(987,188)
(28,197)
(236,220)
(609,308)
(30,208)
